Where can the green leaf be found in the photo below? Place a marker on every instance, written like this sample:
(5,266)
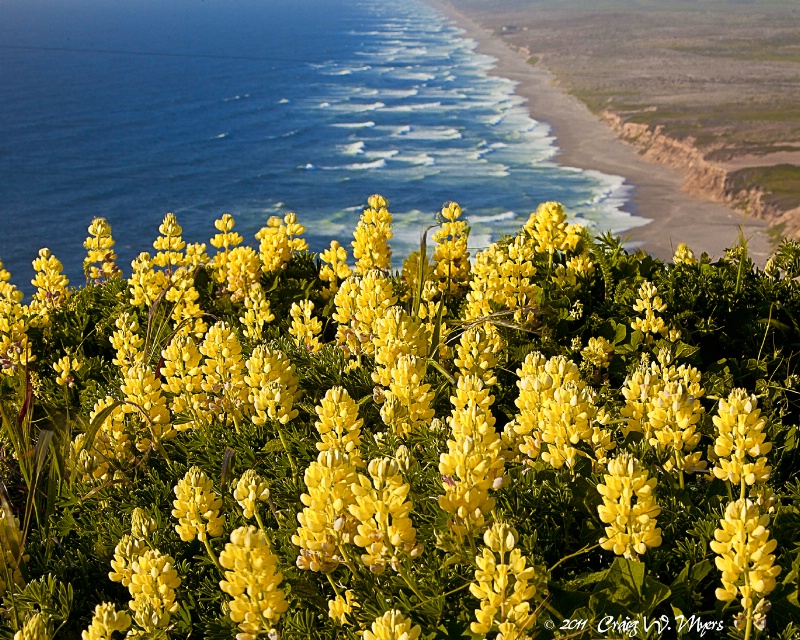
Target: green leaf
(627,584)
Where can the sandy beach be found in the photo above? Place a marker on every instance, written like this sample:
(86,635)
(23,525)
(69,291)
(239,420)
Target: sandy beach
(586,143)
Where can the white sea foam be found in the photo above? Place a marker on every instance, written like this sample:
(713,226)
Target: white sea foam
(391,153)
(354,107)
(353,125)
(218,137)
(421,132)
(353,149)
(283,101)
(359,166)
(421,76)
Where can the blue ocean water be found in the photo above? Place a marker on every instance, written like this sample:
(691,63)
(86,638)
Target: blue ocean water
(258,108)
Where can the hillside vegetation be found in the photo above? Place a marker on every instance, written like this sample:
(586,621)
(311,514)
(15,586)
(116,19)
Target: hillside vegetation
(556,438)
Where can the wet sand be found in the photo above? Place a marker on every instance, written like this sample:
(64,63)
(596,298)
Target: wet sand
(587,143)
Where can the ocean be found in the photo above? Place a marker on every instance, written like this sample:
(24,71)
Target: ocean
(258,108)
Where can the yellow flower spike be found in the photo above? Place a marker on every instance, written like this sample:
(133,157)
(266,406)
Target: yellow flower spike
(383,511)
(745,555)
(342,606)
(339,426)
(598,352)
(64,368)
(649,303)
(451,256)
(550,231)
(184,296)
(144,400)
(8,291)
(145,283)
(333,269)
(169,245)
(249,491)
(152,587)
(393,625)
(272,385)
(325,522)
(142,524)
(305,328)
(277,242)
(740,437)
(182,377)
(224,241)
(396,334)
(127,551)
(35,628)
(477,352)
(223,370)
(683,255)
(506,588)
(105,621)
(243,270)
(257,313)
(673,414)
(371,237)
(631,526)
(127,342)
(197,507)
(252,580)
(100,251)
(359,302)
(474,463)
(412,409)
(51,285)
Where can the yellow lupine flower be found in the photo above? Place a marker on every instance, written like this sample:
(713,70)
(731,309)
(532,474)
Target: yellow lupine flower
(305,328)
(673,415)
(505,586)
(142,524)
(64,368)
(333,268)
(223,373)
(576,268)
(182,377)
(745,554)
(252,580)
(51,285)
(243,269)
(359,302)
(395,333)
(100,250)
(326,523)
(371,237)
(342,606)
(35,628)
(249,491)
(152,587)
(393,625)
(550,231)
(126,341)
(651,304)
(683,255)
(127,551)
(741,436)
(224,242)
(257,312)
(631,525)
(169,245)
(339,426)
(272,385)
(451,256)
(279,241)
(8,291)
(144,400)
(407,403)
(15,349)
(145,283)
(111,446)
(197,507)
(384,513)
(184,296)
(105,621)
(598,352)
(477,352)
(474,463)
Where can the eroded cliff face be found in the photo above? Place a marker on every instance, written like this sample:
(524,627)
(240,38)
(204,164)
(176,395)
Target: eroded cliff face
(702,178)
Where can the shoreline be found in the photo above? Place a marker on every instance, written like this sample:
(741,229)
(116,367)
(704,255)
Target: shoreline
(585,142)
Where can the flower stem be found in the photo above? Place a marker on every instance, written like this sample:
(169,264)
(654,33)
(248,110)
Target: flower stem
(407,579)
(211,553)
